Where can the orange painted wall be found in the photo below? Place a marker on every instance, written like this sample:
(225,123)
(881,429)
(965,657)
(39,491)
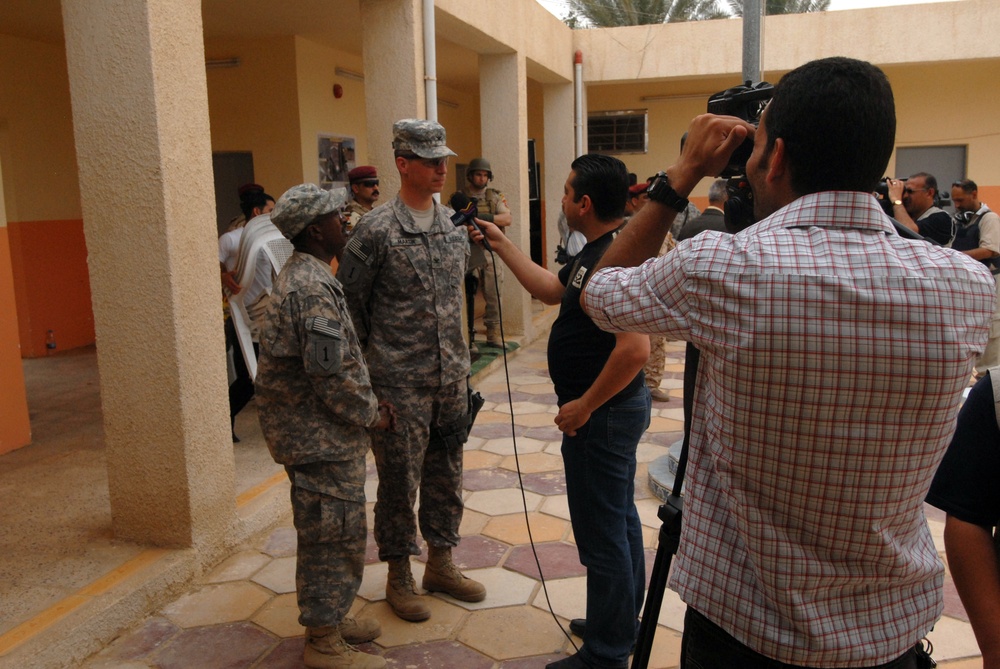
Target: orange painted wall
(15,428)
(52,284)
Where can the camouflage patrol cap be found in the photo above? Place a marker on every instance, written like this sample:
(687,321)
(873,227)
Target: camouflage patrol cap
(424,138)
(303,204)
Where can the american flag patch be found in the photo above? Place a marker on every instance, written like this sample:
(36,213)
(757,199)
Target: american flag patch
(357,249)
(324,326)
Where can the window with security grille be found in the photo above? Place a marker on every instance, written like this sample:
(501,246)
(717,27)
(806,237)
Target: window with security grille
(617,131)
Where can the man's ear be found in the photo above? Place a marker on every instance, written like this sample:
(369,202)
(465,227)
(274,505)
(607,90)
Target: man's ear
(777,165)
(585,204)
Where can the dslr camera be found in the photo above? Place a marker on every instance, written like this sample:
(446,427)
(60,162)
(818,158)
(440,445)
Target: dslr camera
(746,102)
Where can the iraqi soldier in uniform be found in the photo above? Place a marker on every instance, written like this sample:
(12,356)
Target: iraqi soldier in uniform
(492,207)
(402,273)
(316,407)
(364,192)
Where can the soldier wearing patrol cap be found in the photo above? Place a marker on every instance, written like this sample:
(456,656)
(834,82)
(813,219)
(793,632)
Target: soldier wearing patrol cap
(492,206)
(316,406)
(364,192)
(402,273)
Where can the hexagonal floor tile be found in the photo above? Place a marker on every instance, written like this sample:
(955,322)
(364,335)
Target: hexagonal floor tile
(281,543)
(556,505)
(502,501)
(568,596)
(445,619)
(534,420)
(511,529)
(216,647)
(545,483)
(488,479)
(237,567)
(476,552)
(558,560)
(505,446)
(479,460)
(533,463)
(544,433)
(491,633)
(278,576)
(227,602)
(503,588)
(436,655)
(280,616)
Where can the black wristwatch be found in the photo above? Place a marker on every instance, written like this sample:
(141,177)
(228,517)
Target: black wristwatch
(661,191)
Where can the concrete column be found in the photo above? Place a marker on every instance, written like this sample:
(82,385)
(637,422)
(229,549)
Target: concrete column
(503,94)
(140,117)
(559,154)
(394,77)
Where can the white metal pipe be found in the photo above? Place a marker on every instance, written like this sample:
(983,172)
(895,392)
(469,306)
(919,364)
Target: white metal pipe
(578,93)
(430,61)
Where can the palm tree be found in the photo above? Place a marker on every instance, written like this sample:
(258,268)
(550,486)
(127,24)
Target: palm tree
(612,13)
(772,7)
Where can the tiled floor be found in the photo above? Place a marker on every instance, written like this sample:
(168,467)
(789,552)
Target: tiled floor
(243,612)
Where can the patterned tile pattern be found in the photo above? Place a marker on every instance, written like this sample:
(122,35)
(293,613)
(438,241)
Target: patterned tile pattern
(244,614)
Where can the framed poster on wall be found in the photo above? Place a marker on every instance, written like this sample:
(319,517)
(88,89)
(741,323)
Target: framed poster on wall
(336,159)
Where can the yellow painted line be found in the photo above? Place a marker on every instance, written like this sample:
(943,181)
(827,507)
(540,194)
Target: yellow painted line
(248,496)
(116,576)
(63,608)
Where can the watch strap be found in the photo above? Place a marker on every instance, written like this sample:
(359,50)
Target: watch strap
(661,191)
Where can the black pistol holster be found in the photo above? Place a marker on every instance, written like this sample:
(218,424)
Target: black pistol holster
(457,433)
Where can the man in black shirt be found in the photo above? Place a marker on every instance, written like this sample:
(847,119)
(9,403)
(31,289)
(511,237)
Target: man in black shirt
(603,410)
(913,206)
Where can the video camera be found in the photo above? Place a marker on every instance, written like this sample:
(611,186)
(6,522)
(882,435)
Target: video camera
(746,102)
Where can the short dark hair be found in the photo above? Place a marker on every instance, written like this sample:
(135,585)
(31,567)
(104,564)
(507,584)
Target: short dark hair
(967,185)
(254,199)
(930,181)
(605,180)
(837,119)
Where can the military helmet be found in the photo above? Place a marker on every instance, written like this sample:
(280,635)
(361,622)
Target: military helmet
(479,164)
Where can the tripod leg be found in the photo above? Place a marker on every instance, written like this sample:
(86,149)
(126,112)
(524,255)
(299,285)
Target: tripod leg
(654,599)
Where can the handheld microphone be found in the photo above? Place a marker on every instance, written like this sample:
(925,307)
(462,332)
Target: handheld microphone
(465,214)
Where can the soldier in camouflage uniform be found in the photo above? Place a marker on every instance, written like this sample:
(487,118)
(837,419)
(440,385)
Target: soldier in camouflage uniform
(316,405)
(402,275)
(492,207)
(364,192)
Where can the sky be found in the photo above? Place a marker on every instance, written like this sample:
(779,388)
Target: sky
(558,7)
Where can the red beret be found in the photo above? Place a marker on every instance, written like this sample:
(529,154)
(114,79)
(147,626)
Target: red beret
(249,188)
(361,173)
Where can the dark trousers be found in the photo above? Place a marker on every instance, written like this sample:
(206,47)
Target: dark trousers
(705,645)
(241,391)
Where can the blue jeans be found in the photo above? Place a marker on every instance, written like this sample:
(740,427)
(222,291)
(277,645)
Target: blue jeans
(705,645)
(600,488)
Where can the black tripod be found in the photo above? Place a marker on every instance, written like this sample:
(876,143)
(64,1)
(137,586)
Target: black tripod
(669,514)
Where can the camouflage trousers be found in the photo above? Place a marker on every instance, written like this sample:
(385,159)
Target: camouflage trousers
(657,359)
(332,534)
(490,285)
(413,458)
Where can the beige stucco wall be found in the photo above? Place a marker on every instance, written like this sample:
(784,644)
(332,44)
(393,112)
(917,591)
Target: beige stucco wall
(255,107)
(36,132)
(319,111)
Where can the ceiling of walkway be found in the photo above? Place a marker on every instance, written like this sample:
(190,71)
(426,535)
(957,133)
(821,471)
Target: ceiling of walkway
(335,23)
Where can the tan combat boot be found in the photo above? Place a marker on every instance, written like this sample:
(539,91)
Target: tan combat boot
(401,592)
(359,630)
(493,337)
(326,649)
(441,575)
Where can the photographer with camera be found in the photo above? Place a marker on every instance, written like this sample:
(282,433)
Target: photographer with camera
(913,206)
(833,358)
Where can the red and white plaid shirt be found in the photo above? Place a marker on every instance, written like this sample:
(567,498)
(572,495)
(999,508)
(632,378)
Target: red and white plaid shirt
(833,358)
